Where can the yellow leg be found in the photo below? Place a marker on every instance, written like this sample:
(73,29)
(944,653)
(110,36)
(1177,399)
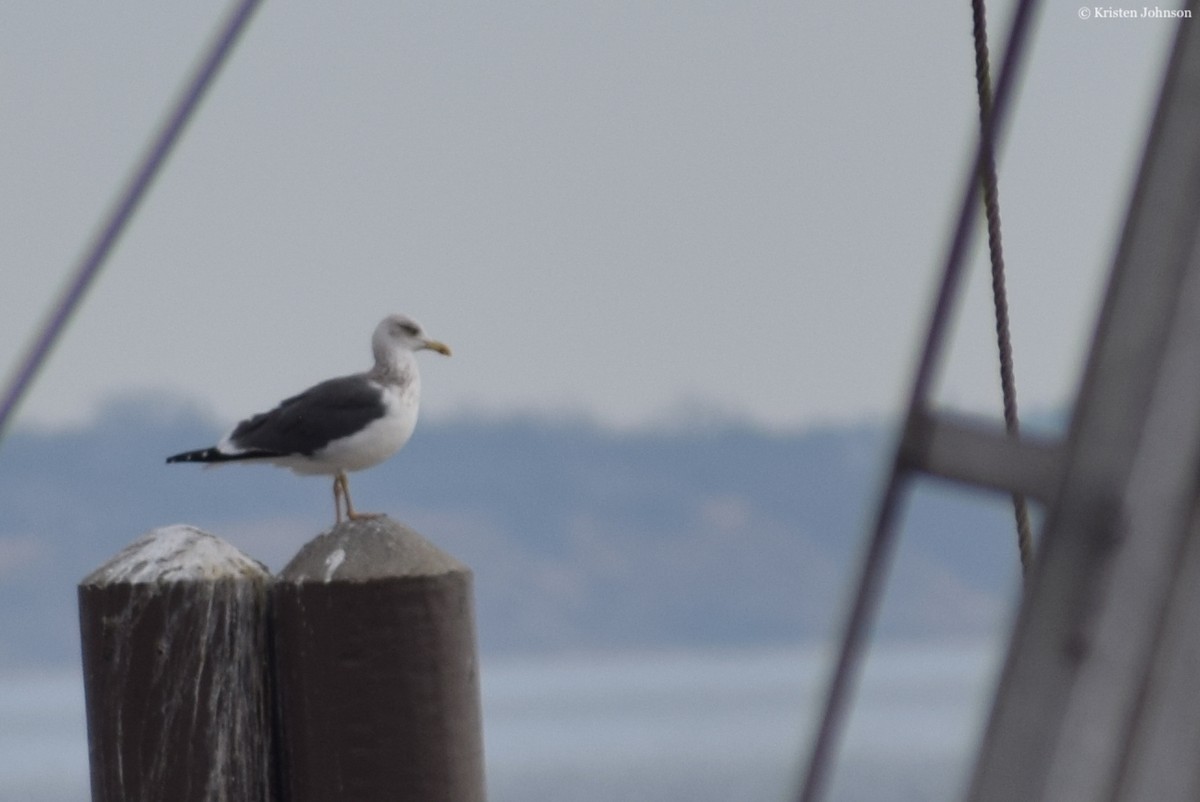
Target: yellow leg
(344,482)
(350,513)
(337,497)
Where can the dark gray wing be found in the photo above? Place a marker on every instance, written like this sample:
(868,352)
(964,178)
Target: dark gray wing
(306,423)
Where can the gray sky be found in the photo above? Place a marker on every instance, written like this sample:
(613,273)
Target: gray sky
(633,210)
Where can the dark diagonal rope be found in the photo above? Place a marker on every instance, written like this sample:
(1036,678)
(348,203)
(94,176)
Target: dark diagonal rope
(881,544)
(991,205)
(122,210)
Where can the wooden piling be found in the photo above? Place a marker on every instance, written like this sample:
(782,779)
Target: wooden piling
(175,666)
(376,670)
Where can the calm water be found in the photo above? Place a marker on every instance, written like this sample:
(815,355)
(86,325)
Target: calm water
(656,727)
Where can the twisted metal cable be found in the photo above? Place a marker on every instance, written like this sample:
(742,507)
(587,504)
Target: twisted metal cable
(991,204)
(122,210)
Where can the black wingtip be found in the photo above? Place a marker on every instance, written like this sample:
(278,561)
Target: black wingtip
(200,455)
(210,455)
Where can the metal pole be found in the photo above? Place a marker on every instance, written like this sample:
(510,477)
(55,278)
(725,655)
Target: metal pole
(881,543)
(175,669)
(1098,695)
(122,210)
(376,669)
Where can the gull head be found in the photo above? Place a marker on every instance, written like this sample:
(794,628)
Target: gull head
(396,334)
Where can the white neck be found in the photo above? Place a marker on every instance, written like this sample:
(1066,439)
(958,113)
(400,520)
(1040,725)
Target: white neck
(395,366)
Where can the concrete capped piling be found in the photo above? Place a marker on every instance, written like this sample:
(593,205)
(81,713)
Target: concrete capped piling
(176,677)
(376,670)
(353,675)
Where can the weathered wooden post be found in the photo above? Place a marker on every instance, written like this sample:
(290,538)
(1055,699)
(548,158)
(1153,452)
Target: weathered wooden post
(376,670)
(175,670)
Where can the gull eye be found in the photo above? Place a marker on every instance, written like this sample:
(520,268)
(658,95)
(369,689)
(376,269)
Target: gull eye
(404,327)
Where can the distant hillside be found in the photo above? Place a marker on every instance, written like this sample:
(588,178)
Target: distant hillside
(580,538)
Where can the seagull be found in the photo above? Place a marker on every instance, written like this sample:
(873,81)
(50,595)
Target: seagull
(340,425)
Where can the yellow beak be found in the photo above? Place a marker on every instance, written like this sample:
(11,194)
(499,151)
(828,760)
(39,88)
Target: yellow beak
(440,347)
